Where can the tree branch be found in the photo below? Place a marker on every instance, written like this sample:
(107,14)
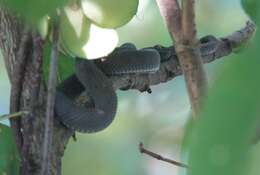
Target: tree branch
(186,47)
(159,157)
(170,66)
(12,33)
(16,82)
(30,100)
(171,12)
(188,23)
(49,118)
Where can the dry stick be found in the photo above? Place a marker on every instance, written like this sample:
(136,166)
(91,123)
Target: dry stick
(186,46)
(50,99)
(159,157)
(13,115)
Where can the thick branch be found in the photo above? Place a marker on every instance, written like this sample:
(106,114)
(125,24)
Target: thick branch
(12,36)
(170,67)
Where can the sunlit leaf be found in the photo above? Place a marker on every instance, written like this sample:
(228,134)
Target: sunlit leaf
(43,27)
(80,38)
(74,31)
(101,42)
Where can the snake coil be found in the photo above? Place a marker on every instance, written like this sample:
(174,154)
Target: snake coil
(93,79)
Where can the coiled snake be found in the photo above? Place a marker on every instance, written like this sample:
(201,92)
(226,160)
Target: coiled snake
(92,77)
(88,77)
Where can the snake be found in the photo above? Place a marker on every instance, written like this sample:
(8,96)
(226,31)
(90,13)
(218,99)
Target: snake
(92,77)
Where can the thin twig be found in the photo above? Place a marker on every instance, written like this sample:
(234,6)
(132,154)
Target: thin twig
(47,142)
(159,157)
(13,115)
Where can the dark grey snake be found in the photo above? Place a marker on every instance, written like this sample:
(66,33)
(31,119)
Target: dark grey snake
(92,77)
(88,77)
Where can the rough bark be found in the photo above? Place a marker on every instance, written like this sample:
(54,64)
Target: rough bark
(23,60)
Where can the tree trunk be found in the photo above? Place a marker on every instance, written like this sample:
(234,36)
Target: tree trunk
(22,52)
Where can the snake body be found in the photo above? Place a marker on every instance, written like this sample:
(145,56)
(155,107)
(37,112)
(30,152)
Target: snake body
(92,78)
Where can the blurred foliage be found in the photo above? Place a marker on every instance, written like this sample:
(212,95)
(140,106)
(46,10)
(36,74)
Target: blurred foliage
(254,153)
(9,162)
(251,7)
(222,136)
(33,10)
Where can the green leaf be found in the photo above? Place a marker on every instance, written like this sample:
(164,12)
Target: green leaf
(9,160)
(254,160)
(65,64)
(33,10)
(110,13)
(223,133)
(251,7)
(74,31)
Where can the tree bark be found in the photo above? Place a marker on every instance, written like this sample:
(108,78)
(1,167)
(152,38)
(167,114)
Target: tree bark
(23,59)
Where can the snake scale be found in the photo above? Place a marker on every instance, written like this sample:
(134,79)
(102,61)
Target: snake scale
(92,77)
